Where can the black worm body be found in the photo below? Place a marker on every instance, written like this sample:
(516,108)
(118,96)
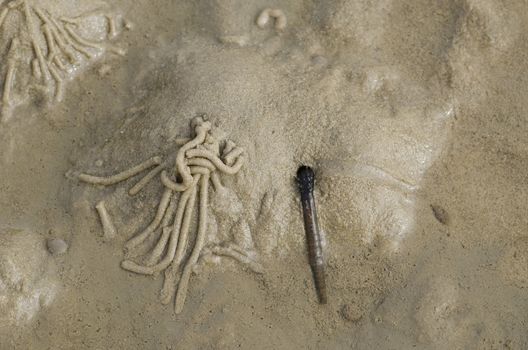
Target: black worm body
(305,181)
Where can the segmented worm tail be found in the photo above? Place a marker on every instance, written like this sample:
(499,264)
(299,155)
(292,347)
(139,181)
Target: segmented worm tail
(320,284)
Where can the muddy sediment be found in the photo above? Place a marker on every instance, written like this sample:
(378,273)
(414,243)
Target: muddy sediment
(412,116)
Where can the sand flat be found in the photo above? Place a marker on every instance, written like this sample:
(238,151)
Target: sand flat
(412,115)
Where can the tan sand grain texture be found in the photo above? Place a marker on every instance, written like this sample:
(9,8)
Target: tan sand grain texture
(412,114)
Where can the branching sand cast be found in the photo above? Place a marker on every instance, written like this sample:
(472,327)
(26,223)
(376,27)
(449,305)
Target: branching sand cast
(44,51)
(198,162)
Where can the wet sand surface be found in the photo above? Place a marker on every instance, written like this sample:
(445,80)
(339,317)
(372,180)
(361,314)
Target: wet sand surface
(413,116)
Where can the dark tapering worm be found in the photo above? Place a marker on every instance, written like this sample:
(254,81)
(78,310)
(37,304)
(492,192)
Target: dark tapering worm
(305,180)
